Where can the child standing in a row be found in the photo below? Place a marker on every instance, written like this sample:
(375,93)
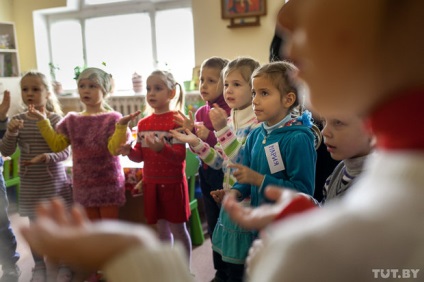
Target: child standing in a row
(41,171)
(164,185)
(281,151)
(98,178)
(349,141)
(211,90)
(97,175)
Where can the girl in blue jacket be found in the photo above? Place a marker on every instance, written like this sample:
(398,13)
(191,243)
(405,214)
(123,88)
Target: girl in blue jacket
(281,151)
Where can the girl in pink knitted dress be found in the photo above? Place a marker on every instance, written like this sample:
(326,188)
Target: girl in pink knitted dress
(97,175)
(98,178)
(165,190)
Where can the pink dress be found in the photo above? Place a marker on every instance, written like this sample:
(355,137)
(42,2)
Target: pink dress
(97,176)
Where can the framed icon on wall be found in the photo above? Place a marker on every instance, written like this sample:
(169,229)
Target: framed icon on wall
(243,13)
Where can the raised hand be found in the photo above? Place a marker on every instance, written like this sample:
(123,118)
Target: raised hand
(5,105)
(41,158)
(260,217)
(14,125)
(218,195)
(201,131)
(55,231)
(124,150)
(155,143)
(53,227)
(184,122)
(218,117)
(245,175)
(186,137)
(39,114)
(126,119)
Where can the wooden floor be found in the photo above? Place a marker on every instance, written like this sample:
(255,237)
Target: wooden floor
(202,265)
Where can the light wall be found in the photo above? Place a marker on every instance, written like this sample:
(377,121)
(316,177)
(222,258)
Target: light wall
(6,10)
(22,14)
(212,37)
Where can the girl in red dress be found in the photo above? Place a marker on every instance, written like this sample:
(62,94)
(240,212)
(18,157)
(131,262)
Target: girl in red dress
(165,190)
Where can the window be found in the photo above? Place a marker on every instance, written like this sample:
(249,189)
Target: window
(121,37)
(94,2)
(124,49)
(66,45)
(172,40)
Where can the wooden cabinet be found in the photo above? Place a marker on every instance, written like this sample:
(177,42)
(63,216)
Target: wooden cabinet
(9,58)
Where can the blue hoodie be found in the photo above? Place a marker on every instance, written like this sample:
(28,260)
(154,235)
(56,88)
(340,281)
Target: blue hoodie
(296,144)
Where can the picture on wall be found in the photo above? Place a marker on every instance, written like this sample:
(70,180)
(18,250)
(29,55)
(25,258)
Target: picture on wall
(231,9)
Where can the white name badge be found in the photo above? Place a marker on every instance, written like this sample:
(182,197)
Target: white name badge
(273,156)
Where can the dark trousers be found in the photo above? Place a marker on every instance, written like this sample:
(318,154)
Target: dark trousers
(210,180)
(225,271)
(8,254)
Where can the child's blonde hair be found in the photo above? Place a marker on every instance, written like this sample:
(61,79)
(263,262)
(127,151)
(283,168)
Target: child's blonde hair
(282,75)
(171,84)
(52,104)
(101,78)
(214,62)
(244,65)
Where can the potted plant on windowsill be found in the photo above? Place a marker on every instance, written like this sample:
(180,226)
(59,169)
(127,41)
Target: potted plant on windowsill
(57,86)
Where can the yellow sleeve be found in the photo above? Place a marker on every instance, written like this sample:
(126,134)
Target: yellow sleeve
(56,141)
(118,138)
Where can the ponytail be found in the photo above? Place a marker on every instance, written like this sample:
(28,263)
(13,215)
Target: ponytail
(171,84)
(179,105)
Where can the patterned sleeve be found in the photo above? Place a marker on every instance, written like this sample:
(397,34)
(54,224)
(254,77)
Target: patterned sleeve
(9,141)
(213,157)
(230,144)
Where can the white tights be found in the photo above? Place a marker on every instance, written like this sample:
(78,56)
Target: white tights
(169,231)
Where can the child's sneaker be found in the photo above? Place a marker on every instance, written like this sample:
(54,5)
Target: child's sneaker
(10,274)
(38,274)
(64,274)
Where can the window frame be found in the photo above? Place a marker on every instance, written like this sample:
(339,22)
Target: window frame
(80,11)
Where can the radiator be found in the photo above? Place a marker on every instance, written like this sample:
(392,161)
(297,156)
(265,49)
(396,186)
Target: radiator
(127,104)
